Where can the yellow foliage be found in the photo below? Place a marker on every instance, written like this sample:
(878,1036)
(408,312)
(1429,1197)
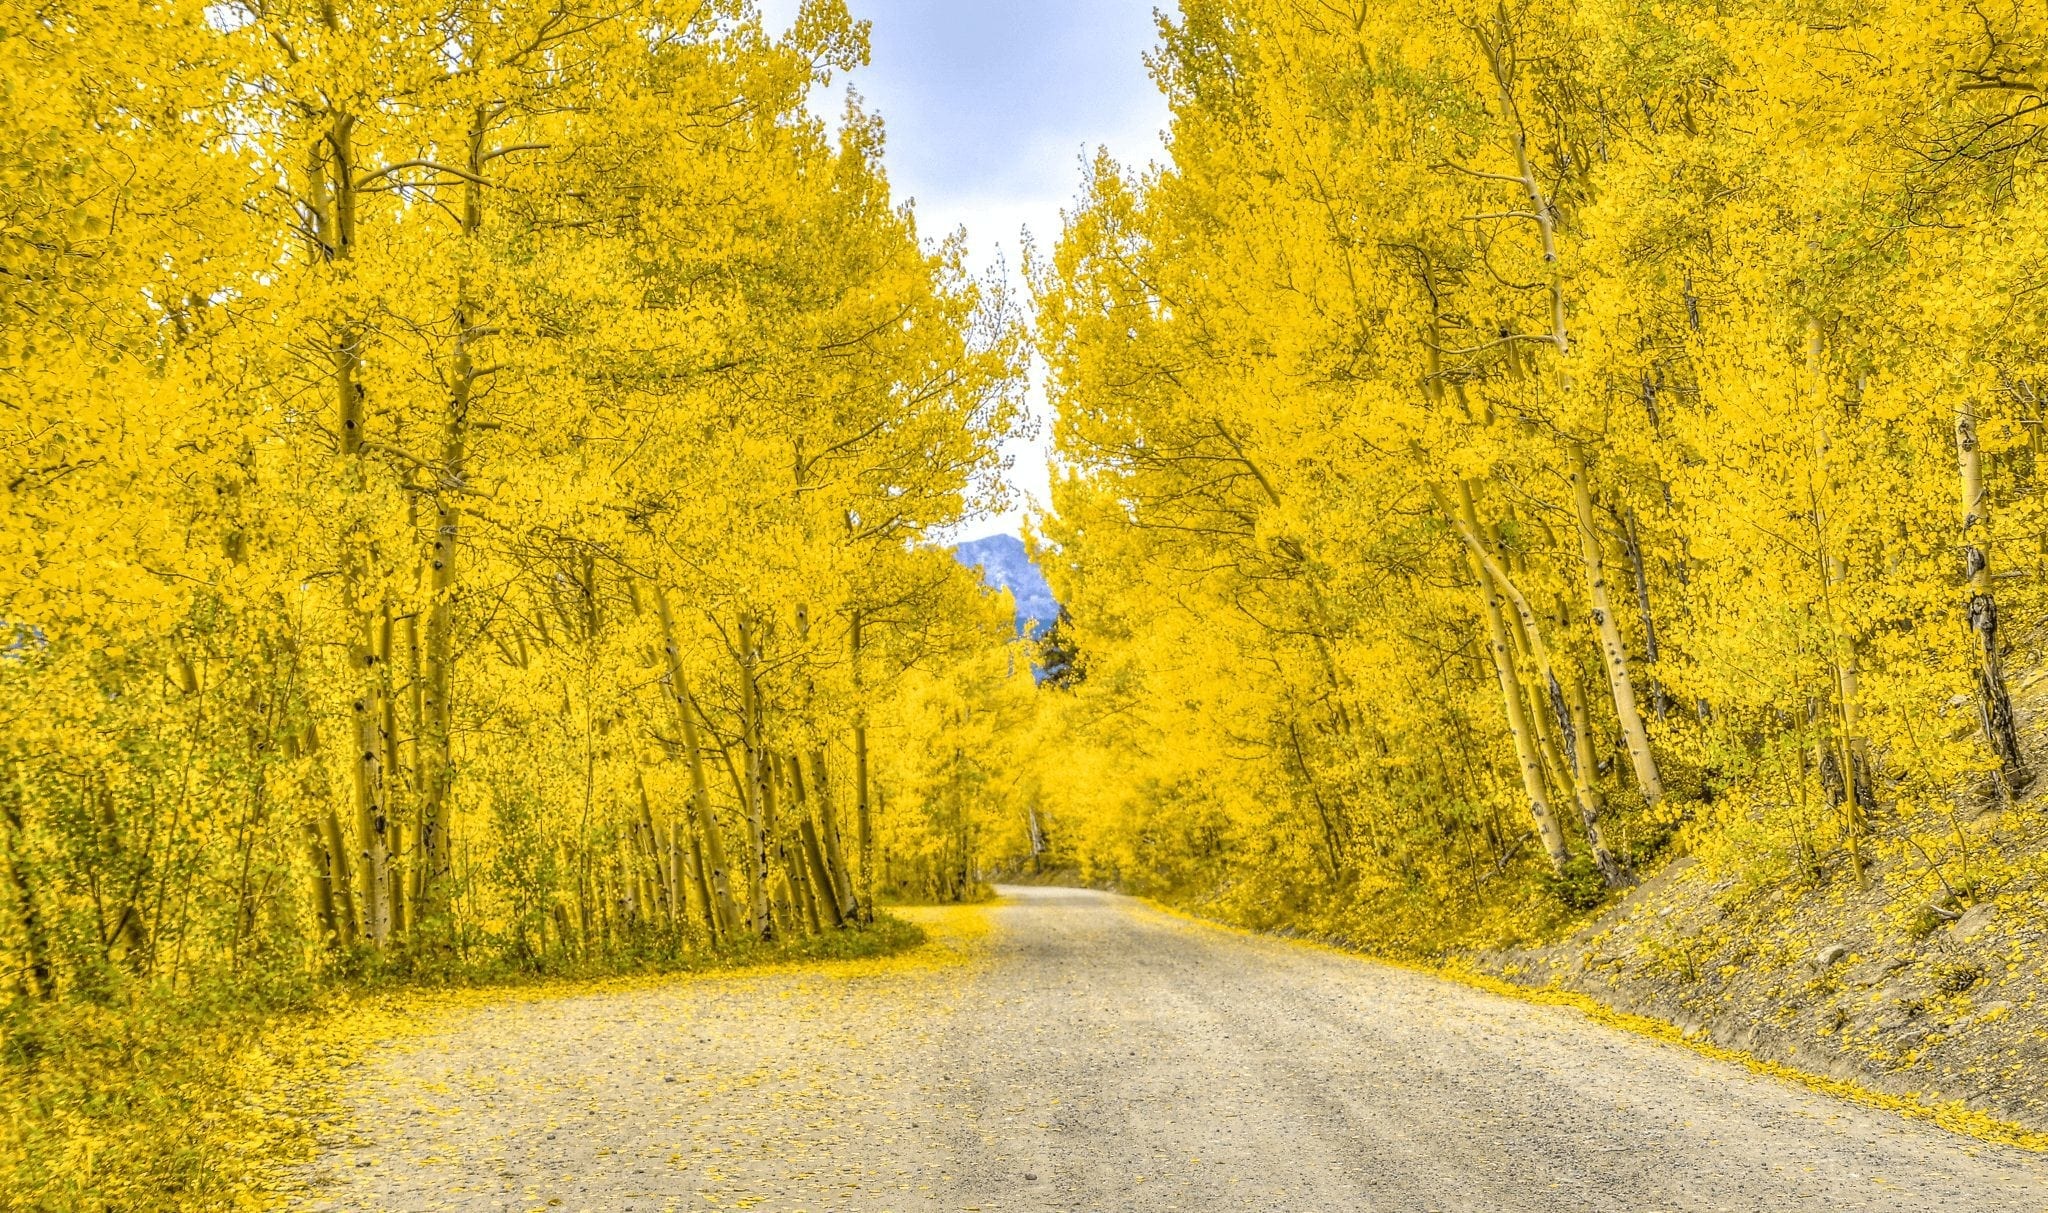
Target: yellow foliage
(1509,442)
(471,475)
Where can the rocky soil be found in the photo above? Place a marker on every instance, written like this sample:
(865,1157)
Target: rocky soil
(1930,981)
(1825,984)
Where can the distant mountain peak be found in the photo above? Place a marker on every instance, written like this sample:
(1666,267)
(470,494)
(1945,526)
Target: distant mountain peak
(1005,564)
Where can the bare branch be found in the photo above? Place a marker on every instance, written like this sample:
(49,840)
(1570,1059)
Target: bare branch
(369,179)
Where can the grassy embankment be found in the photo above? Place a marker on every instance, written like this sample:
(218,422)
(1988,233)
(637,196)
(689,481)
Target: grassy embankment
(208,1099)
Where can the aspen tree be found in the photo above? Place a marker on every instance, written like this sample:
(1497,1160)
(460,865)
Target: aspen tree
(711,861)
(350,349)
(842,877)
(1338,195)
(334,203)
(863,812)
(1511,693)
(821,876)
(756,777)
(1613,655)
(1982,612)
(1550,690)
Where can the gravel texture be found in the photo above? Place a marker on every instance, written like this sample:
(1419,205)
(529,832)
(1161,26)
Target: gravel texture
(1827,982)
(1068,1050)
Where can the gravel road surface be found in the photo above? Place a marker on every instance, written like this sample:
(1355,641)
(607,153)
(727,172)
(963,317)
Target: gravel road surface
(1067,1050)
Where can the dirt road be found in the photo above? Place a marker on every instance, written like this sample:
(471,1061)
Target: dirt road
(1075,1051)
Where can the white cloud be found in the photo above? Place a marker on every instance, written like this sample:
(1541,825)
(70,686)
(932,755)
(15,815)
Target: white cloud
(991,108)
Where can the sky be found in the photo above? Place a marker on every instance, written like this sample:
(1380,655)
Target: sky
(991,107)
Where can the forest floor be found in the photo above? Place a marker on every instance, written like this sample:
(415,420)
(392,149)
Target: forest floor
(1927,981)
(1832,982)
(209,1098)
(1067,1050)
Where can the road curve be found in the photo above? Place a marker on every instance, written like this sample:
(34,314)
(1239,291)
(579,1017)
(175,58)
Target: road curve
(1086,1052)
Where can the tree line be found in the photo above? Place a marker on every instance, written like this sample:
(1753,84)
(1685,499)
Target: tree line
(1508,436)
(470,471)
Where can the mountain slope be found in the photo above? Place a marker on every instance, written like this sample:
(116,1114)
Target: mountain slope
(1004,564)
